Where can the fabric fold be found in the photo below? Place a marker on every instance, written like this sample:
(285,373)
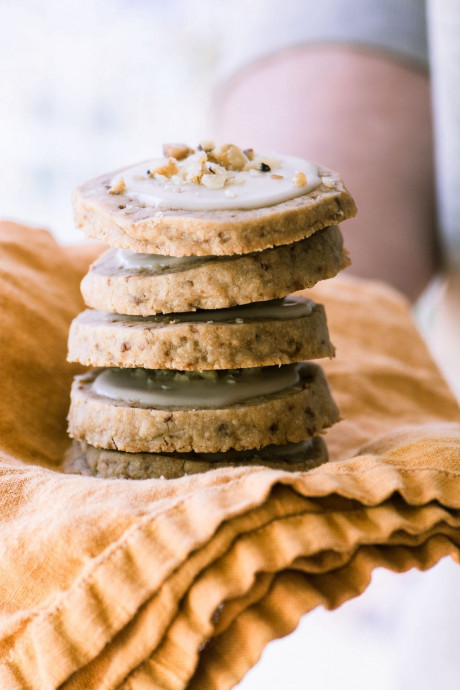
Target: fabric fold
(181,583)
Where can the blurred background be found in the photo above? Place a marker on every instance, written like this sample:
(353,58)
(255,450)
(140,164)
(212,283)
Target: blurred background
(89,86)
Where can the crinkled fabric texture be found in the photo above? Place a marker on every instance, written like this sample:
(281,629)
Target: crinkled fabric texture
(181,583)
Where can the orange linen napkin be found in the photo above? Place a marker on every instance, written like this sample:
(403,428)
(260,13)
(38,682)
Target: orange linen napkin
(181,583)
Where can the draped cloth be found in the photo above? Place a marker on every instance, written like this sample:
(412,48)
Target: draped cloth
(181,583)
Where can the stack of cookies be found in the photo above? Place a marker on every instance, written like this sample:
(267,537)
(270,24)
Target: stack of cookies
(198,350)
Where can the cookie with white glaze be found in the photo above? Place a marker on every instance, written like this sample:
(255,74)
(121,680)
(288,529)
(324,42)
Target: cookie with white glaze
(284,404)
(217,283)
(112,464)
(254,335)
(121,209)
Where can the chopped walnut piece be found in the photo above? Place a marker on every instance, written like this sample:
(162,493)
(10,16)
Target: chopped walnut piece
(214,168)
(261,163)
(249,153)
(236,158)
(118,186)
(214,181)
(168,169)
(230,156)
(271,161)
(177,151)
(194,168)
(299,178)
(328,181)
(206,145)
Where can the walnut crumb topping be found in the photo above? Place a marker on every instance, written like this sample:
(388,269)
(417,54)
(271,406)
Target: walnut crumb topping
(214,180)
(211,166)
(299,178)
(177,151)
(206,145)
(328,181)
(168,170)
(229,156)
(118,186)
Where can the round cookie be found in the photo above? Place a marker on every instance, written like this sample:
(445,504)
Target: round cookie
(212,284)
(123,220)
(259,334)
(284,404)
(112,464)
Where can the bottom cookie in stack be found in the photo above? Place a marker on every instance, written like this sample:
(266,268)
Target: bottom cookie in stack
(112,464)
(138,422)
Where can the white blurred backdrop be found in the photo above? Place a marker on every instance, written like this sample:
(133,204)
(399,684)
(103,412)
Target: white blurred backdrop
(91,85)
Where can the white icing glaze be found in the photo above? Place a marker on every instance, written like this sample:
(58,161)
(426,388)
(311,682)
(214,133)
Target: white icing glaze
(203,390)
(276,309)
(249,189)
(156,263)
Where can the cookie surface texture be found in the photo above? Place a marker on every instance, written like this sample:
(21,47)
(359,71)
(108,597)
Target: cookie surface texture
(217,284)
(195,341)
(124,221)
(293,414)
(111,464)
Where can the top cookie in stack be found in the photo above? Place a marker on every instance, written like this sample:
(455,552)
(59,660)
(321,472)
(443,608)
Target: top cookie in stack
(230,234)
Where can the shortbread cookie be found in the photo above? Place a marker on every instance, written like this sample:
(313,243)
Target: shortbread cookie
(259,334)
(211,203)
(138,410)
(112,464)
(137,284)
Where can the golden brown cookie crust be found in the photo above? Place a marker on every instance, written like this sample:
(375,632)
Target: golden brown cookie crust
(266,275)
(112,464)
(122,221)
(96,341)
(293,415)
